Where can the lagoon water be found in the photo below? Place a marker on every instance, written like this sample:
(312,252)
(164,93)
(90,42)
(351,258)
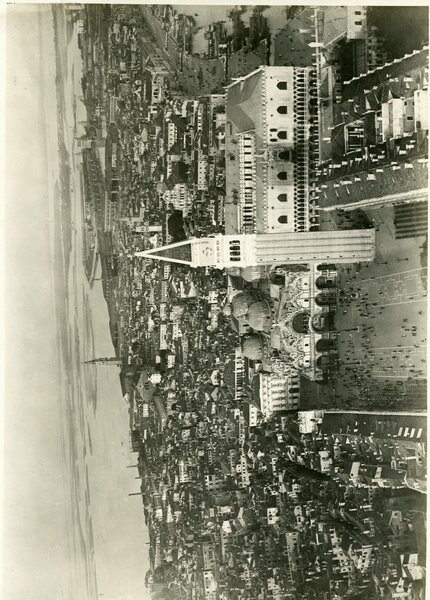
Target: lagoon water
(70,528)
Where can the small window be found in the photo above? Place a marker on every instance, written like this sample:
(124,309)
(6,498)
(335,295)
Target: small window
(282,175)
(283,219)
(235,247)
(282,110)
(282,85)
(359,23)
(282,197)
(282,135)
(358,12)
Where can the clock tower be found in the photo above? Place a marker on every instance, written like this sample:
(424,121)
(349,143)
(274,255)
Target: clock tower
(249,250)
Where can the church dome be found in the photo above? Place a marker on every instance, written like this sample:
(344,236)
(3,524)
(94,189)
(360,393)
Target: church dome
(259,316)
(253,273)
(253,347)
(240,304)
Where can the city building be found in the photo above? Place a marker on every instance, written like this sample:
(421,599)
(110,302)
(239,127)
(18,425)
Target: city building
(154,79)
(247,250)
(379,144)
(245,494)
(111,210)
(275,393)
(179,197)
(267,151)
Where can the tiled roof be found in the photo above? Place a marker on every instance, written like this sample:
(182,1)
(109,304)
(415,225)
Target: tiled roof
(399,67)
(386,182)
(245,112)
(243,102)
(398,79)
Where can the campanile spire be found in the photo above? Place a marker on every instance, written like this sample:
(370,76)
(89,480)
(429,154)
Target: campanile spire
(248,250)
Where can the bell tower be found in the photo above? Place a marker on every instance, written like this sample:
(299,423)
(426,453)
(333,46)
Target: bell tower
(249,250)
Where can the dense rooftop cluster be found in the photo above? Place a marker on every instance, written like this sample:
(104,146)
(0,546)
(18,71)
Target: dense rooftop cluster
(256,483)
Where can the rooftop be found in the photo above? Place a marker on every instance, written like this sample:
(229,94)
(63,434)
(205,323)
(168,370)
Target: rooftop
(389,180)
(245,113)
(357,86)
(242,109)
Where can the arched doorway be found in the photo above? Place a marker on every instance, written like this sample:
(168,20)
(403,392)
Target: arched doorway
(324,282)
(326,267)
(326,299)
(325,345)
(327,361)
(300,322)
(323,322)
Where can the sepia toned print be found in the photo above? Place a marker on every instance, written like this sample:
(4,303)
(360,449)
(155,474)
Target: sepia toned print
(216,289)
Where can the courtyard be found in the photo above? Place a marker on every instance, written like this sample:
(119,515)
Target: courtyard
(381,322)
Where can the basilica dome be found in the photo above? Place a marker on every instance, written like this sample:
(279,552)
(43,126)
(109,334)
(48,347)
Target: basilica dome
(253,347)
(241,303)
(259,316)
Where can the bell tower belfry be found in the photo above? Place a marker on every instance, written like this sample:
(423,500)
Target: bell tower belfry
(249,250)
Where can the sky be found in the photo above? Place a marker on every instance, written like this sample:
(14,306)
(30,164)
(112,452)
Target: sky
(33,519)
(36,557)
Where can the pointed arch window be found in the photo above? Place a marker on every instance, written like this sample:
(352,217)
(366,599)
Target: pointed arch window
(282,110)
(282,135)
(282,175)
(281,85)
(283,219)
(282,197)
